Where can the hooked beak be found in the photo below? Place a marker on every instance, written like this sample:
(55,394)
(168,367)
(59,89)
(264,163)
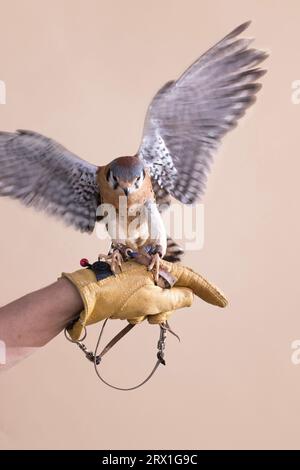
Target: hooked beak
(126,191)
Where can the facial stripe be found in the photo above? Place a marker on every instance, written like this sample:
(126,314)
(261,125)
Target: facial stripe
(116,182)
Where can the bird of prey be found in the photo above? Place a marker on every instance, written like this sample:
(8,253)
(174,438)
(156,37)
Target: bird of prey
(184,125)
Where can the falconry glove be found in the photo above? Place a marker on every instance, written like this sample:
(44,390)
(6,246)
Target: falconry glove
(132,295)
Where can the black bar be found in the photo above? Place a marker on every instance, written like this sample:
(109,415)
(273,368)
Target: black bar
(150,458)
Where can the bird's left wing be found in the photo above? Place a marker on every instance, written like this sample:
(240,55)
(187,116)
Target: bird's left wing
(188,117)
(42,173)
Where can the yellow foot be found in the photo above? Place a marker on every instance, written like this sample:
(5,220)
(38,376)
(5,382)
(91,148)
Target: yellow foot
(154,266)
(114,259)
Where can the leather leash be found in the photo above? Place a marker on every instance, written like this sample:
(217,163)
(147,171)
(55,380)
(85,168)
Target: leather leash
(97,358)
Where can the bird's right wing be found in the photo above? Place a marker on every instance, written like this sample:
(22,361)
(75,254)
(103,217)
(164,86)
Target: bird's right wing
(188,117)
(42,173)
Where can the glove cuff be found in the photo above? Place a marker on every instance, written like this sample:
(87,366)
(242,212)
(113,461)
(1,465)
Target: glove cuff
(82,279)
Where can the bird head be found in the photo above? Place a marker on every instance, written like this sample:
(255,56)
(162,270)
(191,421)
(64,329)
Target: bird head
(126,175)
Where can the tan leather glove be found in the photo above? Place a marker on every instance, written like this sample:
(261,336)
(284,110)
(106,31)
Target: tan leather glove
(133,295)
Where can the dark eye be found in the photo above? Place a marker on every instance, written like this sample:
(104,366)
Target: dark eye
(138,178)
(115,179)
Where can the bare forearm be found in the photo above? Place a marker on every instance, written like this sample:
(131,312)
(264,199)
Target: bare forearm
(35,319)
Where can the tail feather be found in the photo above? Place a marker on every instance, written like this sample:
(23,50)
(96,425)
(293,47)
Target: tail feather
(174,252)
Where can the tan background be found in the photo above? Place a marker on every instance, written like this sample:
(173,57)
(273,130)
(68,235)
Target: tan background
(84,72)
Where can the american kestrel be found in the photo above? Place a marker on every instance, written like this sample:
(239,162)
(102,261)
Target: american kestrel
(183,128)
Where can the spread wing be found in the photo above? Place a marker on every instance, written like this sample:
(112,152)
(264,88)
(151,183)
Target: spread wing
(188,117)
(162,197)
(42,173)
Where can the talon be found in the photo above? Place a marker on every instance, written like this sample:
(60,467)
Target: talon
(102,257)
(154,266)
(114,259)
